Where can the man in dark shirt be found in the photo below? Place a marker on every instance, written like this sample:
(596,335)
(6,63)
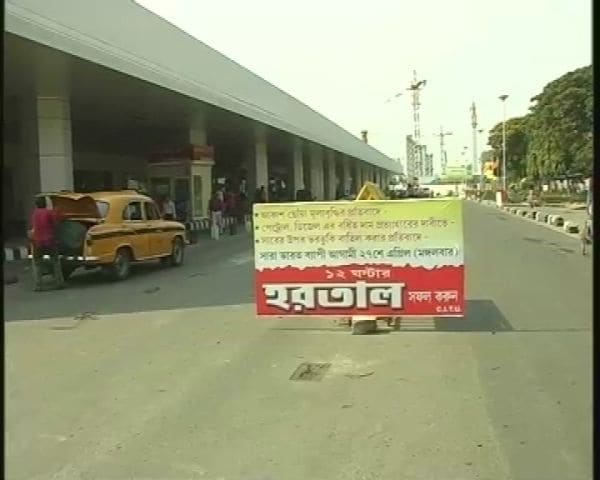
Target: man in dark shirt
(44,223)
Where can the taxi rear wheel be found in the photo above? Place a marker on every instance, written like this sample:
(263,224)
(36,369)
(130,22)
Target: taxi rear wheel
(121,267)
(176,257)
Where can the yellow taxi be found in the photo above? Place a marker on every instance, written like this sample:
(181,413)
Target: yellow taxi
(113,230)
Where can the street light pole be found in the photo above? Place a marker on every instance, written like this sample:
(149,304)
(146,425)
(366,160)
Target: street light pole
(503,99)
(481,182)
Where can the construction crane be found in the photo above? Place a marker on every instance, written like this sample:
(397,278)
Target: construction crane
(415,87)
(443,159)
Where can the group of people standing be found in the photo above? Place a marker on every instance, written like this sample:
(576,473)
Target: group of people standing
(227,204)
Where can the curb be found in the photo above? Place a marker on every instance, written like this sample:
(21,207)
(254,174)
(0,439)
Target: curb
(556,220)
(198,225)
(15,253)
(553,220)
(204,224)
(571,227)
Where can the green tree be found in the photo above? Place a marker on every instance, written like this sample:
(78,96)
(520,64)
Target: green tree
(516,146)
(560,126)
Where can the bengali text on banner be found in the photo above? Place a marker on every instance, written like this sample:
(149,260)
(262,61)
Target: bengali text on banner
(380,258)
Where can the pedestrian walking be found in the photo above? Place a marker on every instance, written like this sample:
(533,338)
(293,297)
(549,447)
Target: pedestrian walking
(44,223)
(168,209)
(231,211)
(587,232)
(585,236)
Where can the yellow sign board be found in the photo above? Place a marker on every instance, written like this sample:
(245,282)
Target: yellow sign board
(370,191)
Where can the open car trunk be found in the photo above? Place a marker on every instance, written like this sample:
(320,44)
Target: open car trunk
(70,236)
(78,212)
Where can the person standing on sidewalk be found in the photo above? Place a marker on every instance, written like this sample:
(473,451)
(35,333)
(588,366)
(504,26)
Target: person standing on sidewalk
(531,198)
(168,208)
(216,207)
(231,211)
(44,223)
(586,235)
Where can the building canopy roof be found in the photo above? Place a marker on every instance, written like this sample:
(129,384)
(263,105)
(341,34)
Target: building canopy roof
(123,36)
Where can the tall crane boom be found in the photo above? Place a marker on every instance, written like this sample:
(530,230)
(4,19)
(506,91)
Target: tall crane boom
(415,87)
(443,159)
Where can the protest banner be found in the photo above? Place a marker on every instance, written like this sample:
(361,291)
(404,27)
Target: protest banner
(379,258)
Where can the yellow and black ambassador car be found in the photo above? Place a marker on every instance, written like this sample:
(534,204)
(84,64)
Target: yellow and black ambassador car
(113,230)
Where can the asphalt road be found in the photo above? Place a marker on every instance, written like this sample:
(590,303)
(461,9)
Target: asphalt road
(184,382)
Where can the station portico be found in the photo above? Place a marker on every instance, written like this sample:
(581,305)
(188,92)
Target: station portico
(83,114)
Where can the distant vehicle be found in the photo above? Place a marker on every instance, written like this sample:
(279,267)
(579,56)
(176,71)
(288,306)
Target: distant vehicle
(112,230)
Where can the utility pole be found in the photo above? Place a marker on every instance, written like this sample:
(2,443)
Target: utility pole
(503,100)
(415,88)
(481,179)
(474,125)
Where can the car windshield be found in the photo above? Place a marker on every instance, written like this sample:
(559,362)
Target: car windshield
(102,208)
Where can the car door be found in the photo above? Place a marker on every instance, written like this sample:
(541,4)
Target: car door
(136,227)
(158,241)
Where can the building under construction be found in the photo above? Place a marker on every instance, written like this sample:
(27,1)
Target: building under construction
(411,157)
(419,163)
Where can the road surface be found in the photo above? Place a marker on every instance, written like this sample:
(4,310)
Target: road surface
(170,375)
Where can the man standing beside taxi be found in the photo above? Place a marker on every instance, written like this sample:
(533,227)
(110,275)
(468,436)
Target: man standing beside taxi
(44,223)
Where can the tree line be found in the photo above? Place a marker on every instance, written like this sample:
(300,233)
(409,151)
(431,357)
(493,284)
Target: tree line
(555,138)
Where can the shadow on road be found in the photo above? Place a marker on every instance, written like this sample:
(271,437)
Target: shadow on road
(213,274)
(481,316)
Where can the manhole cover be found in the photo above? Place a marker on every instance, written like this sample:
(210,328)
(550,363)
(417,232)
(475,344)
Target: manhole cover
(310,371)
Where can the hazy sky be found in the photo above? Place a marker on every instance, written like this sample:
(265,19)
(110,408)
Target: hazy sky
(344,58)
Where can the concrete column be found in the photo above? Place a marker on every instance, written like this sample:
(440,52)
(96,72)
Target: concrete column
(47,147)
(297,176)
(385,178)
(358,176)
(197,133)
(317,183)
(366,173)
(331,176)
(258,163)
(346,178)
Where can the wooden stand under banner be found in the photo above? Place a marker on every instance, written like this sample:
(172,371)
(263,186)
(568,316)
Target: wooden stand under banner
(364,324)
